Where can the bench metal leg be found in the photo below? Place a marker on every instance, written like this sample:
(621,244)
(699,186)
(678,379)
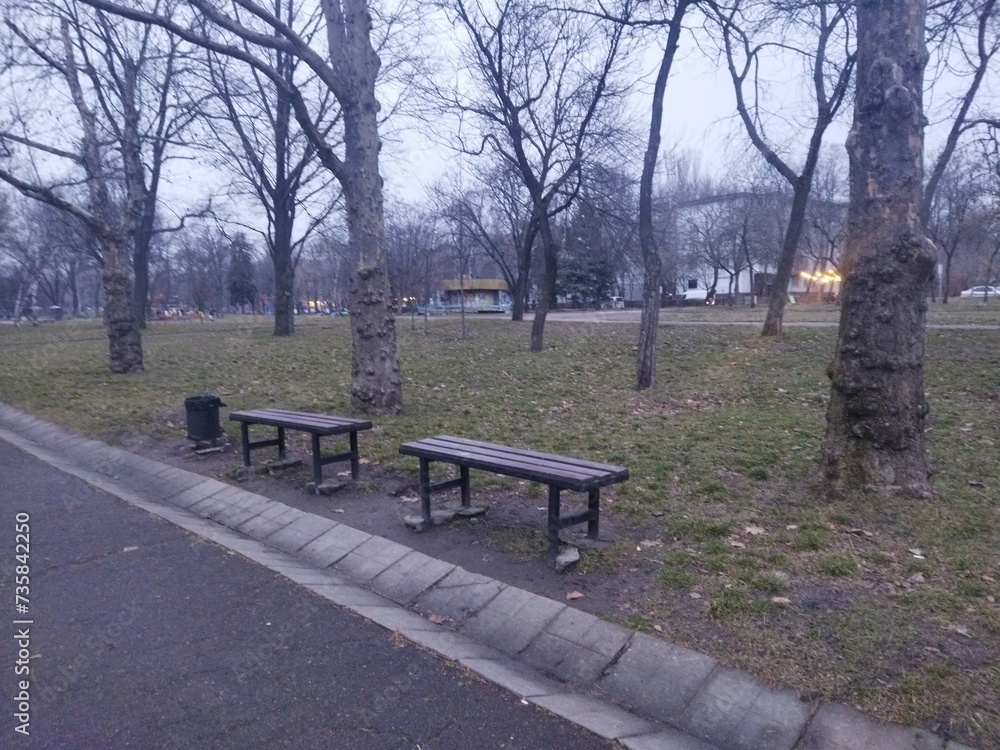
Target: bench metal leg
(281,443)
(425,490)
(554,525)
(355,464)
(594,506)
(317,462)
(245,442)
(466,492)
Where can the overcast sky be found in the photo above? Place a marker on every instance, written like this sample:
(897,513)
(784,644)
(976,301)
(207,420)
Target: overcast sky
(699,117)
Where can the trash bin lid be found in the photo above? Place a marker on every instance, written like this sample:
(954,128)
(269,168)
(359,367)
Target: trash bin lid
(203,402)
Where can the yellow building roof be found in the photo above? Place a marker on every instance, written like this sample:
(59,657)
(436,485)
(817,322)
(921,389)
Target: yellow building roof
(473,285)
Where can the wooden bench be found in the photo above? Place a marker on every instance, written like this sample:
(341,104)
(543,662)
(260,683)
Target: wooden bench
(317,425)
(558,472)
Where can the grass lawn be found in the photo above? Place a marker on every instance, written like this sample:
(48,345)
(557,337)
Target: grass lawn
(890,605)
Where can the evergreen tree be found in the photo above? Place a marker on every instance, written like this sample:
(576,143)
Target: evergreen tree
(242,284)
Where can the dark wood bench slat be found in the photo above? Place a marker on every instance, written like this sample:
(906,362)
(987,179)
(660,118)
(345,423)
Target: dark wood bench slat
(521,470)
(304,421)
(303,417)
(458,442)
(509,456)
(298,418)
(530,465)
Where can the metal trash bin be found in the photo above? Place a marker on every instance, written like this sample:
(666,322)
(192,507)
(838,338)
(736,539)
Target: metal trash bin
(203,417)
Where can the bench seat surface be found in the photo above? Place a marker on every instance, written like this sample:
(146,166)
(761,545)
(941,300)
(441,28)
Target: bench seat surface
(319,424)
(562,471)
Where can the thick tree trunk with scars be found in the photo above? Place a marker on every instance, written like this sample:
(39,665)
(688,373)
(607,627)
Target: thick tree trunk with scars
(124,338)
(875,419)
(376,386)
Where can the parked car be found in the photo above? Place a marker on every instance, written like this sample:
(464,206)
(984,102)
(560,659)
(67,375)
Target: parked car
(981,291)
(695,297)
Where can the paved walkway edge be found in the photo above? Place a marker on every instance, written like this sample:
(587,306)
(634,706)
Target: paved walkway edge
(643,692)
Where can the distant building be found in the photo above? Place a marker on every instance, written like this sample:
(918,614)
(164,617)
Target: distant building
(480,294)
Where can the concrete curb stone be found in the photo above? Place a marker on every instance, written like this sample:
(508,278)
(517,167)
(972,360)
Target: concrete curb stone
(734,710)
(576,646)
(459,595)
(657,678)
(839,727)
(266,523)
(512,619)
(412,575)
(299,533)
(599,717)
(333,545)
(368,559)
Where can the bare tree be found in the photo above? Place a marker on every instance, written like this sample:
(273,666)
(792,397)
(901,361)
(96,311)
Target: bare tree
(951,222)
(56,49)
(988,233)
(965,35)
(671,16)
(414,253)
(819,33)
(826,218)
(349,68)
(53,248)
(542,98)
(200,262)
(876,414)
(274,163)
(495,216)
(135,74)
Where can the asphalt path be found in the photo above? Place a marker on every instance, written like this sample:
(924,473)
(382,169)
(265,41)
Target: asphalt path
(144,636)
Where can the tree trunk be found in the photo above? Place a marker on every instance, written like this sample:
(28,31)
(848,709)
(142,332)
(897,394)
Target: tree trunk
(376,386)
(547,294)
(124,338)
(875,419)
(284,294)
(284,207)
(650,321)
(140,264)
(648,325)
(74,292)
(376,383)
(783,274)
(519,297)
(520,291)
(947,279)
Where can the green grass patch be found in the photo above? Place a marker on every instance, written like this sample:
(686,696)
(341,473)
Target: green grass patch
(674,577)
(837,566)
(701,529)
(736,601)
